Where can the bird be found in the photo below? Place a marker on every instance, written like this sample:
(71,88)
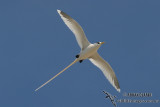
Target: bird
(88,51)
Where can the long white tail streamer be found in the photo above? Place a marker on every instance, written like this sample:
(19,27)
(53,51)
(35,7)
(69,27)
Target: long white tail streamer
(57,75)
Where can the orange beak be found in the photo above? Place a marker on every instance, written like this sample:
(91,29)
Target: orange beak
(102,43)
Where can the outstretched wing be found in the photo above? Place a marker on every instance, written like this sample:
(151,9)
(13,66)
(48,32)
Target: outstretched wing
(98,61)
(76,29)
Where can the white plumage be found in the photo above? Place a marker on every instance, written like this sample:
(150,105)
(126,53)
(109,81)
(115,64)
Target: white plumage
(76,29)
(98,61)
(88,51)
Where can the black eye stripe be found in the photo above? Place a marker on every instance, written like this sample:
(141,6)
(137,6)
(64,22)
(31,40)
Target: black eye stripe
(98,42)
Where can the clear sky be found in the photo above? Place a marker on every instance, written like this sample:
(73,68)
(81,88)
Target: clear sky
(35,45)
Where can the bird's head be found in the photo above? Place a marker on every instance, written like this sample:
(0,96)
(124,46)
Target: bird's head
(100,43)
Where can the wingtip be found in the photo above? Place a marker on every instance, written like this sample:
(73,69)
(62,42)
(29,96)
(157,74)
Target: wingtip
(119,90)
(58,11)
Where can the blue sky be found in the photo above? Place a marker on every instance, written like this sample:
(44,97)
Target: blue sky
(35,45)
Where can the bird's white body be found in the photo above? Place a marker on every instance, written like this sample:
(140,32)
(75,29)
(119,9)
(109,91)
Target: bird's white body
(88,51)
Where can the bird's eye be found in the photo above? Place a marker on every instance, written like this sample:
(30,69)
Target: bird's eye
(98,42)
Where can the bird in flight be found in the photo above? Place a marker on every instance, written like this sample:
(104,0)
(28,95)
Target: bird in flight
(88,51)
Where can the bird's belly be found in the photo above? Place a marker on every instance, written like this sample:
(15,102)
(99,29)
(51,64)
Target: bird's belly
(87,53)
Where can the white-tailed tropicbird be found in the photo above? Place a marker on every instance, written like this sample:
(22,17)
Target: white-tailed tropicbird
(88,51)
